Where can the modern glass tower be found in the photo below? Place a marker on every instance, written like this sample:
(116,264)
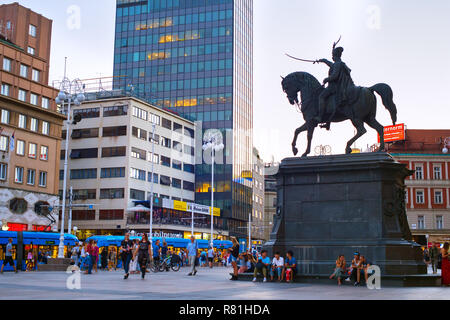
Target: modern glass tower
(195,57)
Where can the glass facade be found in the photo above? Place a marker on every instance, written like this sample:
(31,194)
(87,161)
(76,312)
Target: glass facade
(195,58)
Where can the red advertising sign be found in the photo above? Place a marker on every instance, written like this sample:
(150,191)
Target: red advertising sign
(394,133)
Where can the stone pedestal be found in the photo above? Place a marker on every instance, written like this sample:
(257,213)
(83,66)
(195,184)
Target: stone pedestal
(333,205)
(55,265)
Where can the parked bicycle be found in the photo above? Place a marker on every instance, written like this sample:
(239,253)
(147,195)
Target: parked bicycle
(171,262)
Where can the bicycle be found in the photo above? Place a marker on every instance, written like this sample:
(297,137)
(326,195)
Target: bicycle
(169,262)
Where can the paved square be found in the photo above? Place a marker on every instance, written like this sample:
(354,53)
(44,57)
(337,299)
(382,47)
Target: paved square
(206,285)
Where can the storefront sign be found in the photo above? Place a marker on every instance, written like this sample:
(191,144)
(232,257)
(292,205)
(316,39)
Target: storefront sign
(188,207)
(394,133)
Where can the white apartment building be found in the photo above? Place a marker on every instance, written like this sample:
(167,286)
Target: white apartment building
(110,163)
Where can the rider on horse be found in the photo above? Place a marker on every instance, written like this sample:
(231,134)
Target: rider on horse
(339,80)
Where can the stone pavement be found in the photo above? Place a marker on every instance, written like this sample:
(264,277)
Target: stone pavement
(206,285)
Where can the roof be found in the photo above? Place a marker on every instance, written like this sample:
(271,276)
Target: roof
(421,141)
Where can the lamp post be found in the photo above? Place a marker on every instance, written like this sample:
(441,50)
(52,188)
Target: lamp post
(70,91)
(151,184)
(215,145)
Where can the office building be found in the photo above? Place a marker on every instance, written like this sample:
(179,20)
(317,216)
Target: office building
(258,226)
(30,125)
(196,59)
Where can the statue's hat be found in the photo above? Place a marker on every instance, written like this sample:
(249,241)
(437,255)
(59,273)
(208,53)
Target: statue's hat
(338,51)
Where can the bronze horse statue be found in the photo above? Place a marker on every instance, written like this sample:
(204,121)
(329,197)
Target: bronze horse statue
(359,108)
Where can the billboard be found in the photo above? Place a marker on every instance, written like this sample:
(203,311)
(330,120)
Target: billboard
(394,133)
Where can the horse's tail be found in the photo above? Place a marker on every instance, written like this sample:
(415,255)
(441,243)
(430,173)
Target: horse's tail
(387,96)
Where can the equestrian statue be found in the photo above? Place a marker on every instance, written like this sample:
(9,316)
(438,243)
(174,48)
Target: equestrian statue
(341,100)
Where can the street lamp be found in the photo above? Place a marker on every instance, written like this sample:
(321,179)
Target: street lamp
(446,145)
(215,145)
(151,188)
(70,92)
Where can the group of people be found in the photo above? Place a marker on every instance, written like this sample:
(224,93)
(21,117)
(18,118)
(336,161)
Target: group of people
(439,258)
(262,264)
(359,266)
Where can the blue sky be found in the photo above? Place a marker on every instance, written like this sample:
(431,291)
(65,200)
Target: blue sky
(404,43)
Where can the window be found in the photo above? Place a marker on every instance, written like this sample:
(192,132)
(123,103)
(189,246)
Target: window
(189,132)
(139,133)
(155,177)
(420,198)
(421,222)
(34,124)
(176,183)
(115,131)
(44,153)
(85,194)
(419,172)
(45,127)
(23,71)
(165,142)
(31,177)
(438,197)
(114,152)
(18,206)
(45,103)
(78,174)
(32,30)
(177,164)
(139,113)
(22,121)
(31,50)
(22,95)
(439,222)
(165,161)
(155,119)
(88,113)
(85,133)
(178,146)
(85,215)
(189,186)
(115,111)
(84,153)
(165,180)
(437,173)
(32,150)
(154,139)
(138,153)
(35,75)
(34,99)
(5,89)
(166,123)
(189,168)
(18,177)
(20,148)
(137,194)
(5,116)
(4,143)
(153,158)
(178,128)
(43,179)
(6,64)
(112,193)
(3,171)
(112,173)
(111,214)
(137,174)
(189,150)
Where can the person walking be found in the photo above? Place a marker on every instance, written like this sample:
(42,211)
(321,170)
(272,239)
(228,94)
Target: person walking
(192,251)
(445,267)
(9,256)
(156,253)
(133,264)
(434,256)
(90,256)
(211,257)
(234,255)
(104,258)
(127,253)
(112,259)
(143,251)
(75,254)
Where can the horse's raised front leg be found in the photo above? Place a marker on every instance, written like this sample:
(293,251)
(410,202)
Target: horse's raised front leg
(294,142)
(359,125)
(310,129)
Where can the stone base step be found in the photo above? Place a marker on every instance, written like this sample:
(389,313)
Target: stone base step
(55,265)
(426,280)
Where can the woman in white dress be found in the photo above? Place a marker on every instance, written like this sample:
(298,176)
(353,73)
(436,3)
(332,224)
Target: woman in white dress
(134,262)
